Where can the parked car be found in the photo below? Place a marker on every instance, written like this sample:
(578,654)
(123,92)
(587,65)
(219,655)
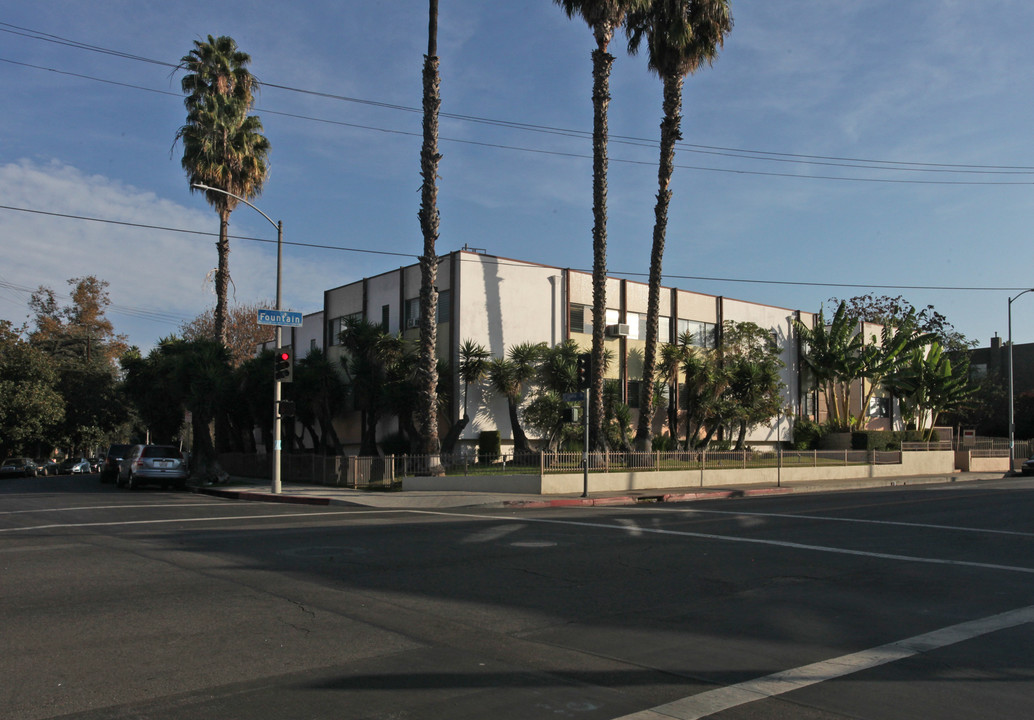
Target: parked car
(95,464)
(1028,466)
(112,459)
(155,465)
(74,466)
(15,467)
(45,466)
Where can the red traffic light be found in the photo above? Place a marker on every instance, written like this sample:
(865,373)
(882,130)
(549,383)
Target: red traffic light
(284,355)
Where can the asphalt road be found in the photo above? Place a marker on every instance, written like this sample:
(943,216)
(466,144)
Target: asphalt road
(902,603)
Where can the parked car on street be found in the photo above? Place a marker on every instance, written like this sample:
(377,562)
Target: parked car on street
(74,466)
(112,459)
(155,465)
(45,466)
(1028,466)
(18,467)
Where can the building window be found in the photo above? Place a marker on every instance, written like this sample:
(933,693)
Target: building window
(879,407)
(339,323)
(412,313)
(636,325)
(581,319)
(312,344)
(444,306)
(634,390)
(385,317)
(663,329)
(697,334)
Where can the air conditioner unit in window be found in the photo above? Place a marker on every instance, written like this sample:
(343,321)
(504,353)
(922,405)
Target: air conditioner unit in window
(619,330)
(412,323)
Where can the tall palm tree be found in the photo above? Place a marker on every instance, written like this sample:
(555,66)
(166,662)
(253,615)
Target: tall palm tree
(604,17)
(680,36)
(223,145)
(427,367)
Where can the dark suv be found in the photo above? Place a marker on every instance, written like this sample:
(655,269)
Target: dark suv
(112,459)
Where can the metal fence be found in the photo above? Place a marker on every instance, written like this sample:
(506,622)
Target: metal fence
(994,446)
(387,471)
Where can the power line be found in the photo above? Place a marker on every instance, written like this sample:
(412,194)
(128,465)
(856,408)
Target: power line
(558,153)
(515,263)
(770,156)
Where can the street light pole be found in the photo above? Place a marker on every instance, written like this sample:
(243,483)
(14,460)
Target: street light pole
(1012,397)
(275,487)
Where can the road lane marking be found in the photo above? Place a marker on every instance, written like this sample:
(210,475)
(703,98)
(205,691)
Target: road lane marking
(710,702)
(227,518)
(795,516)
(110,507)
(638,530)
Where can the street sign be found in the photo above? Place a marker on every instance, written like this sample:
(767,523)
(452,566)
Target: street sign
(573,397)
(284,318)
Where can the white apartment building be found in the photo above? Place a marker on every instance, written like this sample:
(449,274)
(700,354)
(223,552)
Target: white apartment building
(500,302)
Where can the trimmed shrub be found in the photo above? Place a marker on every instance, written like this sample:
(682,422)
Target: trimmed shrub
(489,447)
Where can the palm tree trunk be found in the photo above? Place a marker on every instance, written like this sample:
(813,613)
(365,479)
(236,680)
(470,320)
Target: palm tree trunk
(222,275)
(670,134)
(520,439)
(427,371)
(601,64)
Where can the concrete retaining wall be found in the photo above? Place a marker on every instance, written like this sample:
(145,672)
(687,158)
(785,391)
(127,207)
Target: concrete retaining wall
(937,462)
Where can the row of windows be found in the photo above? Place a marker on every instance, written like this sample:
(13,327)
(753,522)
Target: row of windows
(693,332)
(411,316)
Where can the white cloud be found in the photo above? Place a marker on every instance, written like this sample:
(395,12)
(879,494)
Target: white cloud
(148,269)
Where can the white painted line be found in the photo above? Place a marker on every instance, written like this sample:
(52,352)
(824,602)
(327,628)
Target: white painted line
(714,701)
(828,518)
(623,526)
(228,518)
(111,507)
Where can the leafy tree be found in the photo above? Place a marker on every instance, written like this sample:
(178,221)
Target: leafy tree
(373,357)
(223,146)
(31,407)
(179,376)
(672,357)
(680,36)
(830,353)
(243,333)
(79,331)
(706,385)
(427,367)
(879,360)
(474,360)
(557,374)
(751,363)
(604,17)
(83,346)
(897,312)
(320,395)
(927,387)
(509,377)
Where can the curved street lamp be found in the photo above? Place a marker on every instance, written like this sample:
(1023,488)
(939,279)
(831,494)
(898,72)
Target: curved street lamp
(275,488)
(1012,397)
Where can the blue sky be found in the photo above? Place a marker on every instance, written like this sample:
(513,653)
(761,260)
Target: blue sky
(870,143)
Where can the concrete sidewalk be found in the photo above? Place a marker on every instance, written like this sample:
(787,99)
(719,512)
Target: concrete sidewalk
(299,493)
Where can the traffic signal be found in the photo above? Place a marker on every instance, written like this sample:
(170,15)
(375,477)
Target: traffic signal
(284,371)
(584,370)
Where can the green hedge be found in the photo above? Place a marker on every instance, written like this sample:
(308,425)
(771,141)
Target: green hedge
(883,439)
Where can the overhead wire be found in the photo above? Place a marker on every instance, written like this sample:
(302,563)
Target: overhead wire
(517,263)
(735,153)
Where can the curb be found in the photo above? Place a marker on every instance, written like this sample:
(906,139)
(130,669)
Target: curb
(263,496)
(641,499)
